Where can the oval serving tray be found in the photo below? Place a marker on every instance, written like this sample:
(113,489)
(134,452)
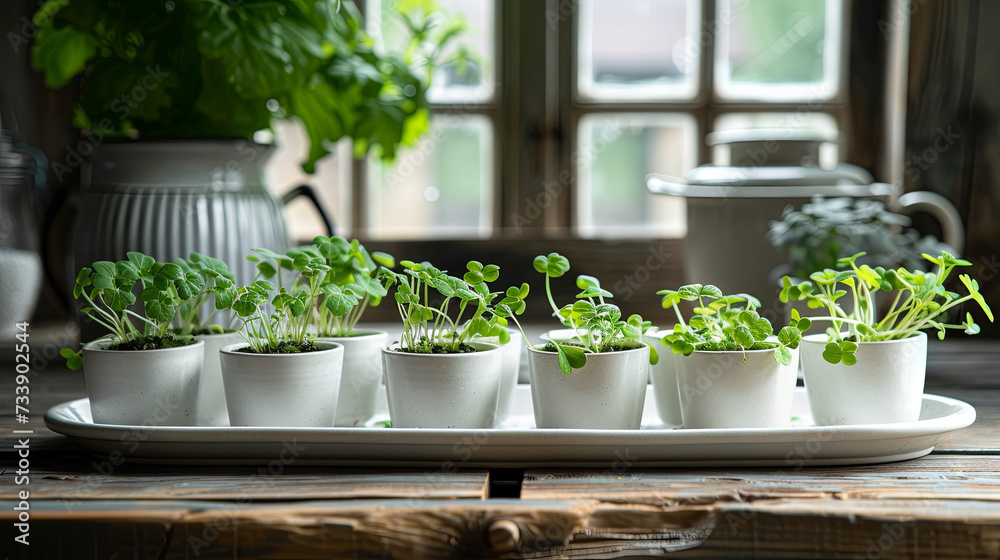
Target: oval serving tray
(517,444)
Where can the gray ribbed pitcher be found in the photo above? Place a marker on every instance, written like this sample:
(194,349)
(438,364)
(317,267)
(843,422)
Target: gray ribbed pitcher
(167,199)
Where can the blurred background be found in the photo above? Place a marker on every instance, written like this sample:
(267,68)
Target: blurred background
(542,138)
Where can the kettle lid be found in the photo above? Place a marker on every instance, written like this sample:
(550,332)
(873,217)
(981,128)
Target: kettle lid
(763,176)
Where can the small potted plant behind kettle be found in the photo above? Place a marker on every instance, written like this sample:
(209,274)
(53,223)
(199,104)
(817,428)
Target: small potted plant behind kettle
(596,379)
(197,317)
(440,376)
(279,376)
(351,285)
(866,369)
(730,372)
(138,375)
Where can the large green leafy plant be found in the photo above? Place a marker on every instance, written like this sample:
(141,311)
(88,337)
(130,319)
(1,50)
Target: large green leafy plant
(724,323)
(596,324)
(920,301)
(221,69)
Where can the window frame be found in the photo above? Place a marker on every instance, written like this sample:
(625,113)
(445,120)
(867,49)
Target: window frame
(705,107)
(362,226)
(536,127)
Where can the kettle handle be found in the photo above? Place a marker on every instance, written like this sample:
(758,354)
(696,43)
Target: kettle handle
(309,192)
(942,209)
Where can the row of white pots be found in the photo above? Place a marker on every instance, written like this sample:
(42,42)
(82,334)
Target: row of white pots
(717,390)
(211,383)
(704,390)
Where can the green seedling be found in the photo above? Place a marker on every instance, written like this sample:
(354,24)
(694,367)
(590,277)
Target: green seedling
(919,301)
(727,324)
(108,290)
(597,324)
(350,286)
(428,327)
(218,284)
(276,319)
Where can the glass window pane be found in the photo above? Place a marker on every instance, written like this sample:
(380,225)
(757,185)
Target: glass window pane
(439,188)
(822,122)
(638,49)
(332,181)
(616,151)
(778,50)
(466,78)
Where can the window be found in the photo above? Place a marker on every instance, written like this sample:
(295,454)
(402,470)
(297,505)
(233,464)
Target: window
(641,104)
(443,187)
(595,94)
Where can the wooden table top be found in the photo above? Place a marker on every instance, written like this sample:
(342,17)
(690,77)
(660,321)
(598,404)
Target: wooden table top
(944,505)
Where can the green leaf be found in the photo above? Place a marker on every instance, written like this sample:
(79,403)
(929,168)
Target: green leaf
(832,353)
(743,336)
(553,265)
(783,356)
(62,53)
(789,336)
(575,356)
(141,262)
(491,273)
(74,360)
(384,259)
(473,277)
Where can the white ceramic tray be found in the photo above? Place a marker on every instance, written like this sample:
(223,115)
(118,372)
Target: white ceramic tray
(518,444)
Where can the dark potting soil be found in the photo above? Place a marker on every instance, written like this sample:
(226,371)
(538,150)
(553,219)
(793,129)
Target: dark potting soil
(617,346)
(205,332)
(285,347)
(425,348)
(153,343)
(722,347)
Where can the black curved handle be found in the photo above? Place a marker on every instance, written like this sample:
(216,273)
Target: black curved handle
(309,192)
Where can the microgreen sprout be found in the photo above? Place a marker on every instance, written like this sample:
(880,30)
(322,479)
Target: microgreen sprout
(726,323)
(276,319)
(351,285)
(218,284)
(597,325)
(108,288)
(919,301)
(429,327)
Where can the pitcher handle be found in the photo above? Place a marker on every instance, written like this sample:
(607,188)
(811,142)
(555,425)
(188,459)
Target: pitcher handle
(942,209)
(309,192)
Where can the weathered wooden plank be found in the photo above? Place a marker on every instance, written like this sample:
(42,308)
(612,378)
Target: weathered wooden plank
(506,529)
(78,483)
(940,477)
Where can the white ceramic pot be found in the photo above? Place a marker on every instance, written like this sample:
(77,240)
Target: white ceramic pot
(359,383)
(287,390)
(717,390)
(143,387)
(511,358)
(212,395)
(663,376)
(443,390)
(886,385)
(607,393)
